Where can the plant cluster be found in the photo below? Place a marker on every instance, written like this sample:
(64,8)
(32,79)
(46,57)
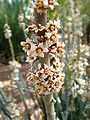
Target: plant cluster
(46,78)
(57,64)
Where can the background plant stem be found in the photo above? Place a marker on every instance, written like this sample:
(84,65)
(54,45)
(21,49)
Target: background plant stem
(11,49)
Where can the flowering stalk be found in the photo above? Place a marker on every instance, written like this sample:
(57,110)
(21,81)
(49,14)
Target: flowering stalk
(15,76)
(15,68)
(44,54)
(12,50)
(22,23)
(49,105)
(8,35)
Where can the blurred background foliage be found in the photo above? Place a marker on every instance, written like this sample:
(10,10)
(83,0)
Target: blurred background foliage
(13,8)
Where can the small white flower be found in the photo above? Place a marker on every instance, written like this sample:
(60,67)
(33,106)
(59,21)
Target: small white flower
(60,48)
(40,50)
(45,3)
(31,56)
(53,26)
(39,5)
(27,45)
(52,3)
(52,37)
(14,64)
(7,31)
(1,84)
(16,112)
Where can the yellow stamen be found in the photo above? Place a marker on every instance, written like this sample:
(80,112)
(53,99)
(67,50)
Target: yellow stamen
(39,4)
(30,56)
(52,27)
(47,70)
(59,49)
(27,46)
(62,79)
(53,38)
(39,50)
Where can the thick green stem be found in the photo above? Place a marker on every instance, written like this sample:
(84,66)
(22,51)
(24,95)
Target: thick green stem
(49,105)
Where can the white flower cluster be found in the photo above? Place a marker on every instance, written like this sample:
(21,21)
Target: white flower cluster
(15,112)
(7,31)
(15,66)
(47,42)
(42,5)
(29,15)
(21,20)
(78,54)
(47,79)
(79,67)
